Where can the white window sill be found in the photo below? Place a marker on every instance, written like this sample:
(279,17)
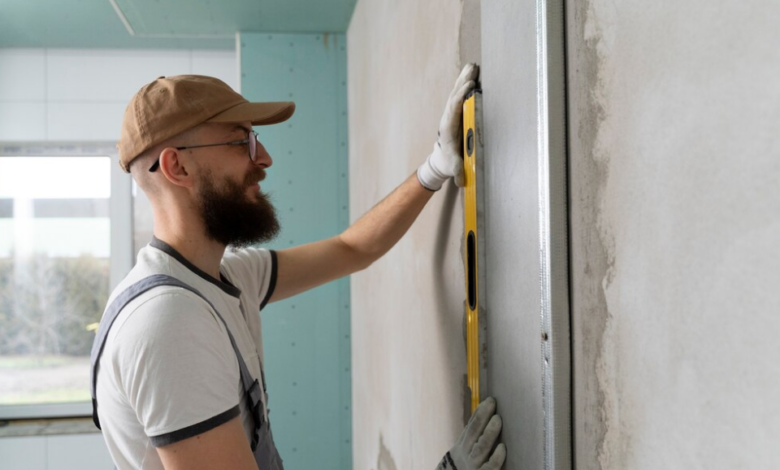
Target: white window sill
(46,427)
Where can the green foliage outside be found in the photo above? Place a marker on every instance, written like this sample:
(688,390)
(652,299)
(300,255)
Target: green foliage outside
(49,396)
(47,303)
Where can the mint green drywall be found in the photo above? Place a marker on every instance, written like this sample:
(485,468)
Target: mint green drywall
(171,24)
(89,24)
(306,338)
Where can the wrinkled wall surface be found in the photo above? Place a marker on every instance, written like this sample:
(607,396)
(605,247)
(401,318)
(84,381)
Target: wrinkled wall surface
(408,348)
(409,391)
(675,163)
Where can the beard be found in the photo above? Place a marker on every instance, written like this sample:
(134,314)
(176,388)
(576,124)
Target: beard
(230,218)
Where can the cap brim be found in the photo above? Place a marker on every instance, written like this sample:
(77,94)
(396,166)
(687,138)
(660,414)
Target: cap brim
(259,114)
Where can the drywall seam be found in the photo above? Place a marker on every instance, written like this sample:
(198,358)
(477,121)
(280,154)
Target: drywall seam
(592,248)
(609,456)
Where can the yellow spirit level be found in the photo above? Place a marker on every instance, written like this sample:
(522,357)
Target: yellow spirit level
(474,254)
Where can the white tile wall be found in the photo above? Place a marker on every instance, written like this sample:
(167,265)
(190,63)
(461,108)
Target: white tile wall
(28,453)
(87,121)
(22,74)
(81,94)
(108,75)
(25,120)
(77,451)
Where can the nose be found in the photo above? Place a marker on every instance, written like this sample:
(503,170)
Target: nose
(263,158)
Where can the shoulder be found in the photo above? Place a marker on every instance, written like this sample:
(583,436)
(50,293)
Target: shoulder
(174,364)
(248,260)
(253,270)
(167,321)
(168,333)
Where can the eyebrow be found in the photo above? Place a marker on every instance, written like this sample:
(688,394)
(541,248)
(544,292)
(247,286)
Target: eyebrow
(240,127)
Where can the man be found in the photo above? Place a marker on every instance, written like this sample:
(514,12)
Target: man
(177,378)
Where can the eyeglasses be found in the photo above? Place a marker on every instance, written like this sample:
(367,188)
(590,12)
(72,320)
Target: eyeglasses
(250,141)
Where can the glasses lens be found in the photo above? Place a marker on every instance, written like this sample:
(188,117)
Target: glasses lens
(253,146)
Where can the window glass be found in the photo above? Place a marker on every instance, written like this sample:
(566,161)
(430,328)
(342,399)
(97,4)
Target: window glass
(54,274)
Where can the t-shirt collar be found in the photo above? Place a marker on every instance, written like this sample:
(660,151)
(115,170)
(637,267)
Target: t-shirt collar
(223,284)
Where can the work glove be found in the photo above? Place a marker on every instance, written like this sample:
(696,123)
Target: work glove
(446,161)
(472,451)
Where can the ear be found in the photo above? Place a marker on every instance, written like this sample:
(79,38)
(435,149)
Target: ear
(172,165)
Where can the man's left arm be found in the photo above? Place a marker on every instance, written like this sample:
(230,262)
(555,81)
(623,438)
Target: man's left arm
(307,266)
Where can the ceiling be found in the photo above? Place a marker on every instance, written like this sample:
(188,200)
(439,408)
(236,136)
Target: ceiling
(206,24)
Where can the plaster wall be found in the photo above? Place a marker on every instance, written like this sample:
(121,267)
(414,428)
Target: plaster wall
(674,164)
(408,347)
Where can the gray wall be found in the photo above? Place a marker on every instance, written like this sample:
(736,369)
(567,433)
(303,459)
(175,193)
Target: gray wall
(408,349)
(675,222)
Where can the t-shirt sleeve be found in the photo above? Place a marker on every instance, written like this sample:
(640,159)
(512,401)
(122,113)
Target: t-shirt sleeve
(177,367)
(255,270)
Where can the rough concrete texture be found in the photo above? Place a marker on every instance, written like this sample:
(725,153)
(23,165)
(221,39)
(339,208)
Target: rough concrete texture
(408,349)
(674,111)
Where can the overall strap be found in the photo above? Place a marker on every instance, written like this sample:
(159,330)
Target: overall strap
(251,386)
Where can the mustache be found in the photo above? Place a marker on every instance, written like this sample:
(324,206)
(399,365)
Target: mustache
(257,174)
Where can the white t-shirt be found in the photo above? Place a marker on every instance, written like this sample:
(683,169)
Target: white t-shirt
(168,371)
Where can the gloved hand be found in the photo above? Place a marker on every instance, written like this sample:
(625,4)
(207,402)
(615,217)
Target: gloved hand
(446,161)
(473,448)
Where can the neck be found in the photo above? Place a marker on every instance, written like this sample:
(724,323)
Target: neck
(195,247)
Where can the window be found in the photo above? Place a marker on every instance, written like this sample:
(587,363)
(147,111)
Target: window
(65,242)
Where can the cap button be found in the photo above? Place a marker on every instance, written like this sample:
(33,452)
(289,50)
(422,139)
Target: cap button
(160,77)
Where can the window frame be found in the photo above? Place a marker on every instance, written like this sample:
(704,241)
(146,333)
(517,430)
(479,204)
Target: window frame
(121,223)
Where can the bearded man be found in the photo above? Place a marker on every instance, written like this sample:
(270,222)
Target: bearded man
(178,376)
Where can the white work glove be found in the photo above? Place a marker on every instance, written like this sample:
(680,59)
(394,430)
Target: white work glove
(446,161)
(472,451)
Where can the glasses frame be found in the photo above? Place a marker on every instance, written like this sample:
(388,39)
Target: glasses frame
(250,142)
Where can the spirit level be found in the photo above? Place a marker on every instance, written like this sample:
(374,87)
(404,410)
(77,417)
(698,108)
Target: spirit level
(474,254)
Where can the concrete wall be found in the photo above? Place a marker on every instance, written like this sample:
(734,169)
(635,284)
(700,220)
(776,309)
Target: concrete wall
(673,169)
(409,389)
(408,349)
(675,162)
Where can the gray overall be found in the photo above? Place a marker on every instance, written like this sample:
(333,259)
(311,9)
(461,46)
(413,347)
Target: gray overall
(263,447)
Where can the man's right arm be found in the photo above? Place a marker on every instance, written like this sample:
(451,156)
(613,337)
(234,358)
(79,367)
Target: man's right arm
(225,446)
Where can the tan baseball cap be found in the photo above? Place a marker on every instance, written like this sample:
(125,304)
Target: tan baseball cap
(171,105)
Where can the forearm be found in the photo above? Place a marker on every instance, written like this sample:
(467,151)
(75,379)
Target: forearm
(307,266)
(380,228)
